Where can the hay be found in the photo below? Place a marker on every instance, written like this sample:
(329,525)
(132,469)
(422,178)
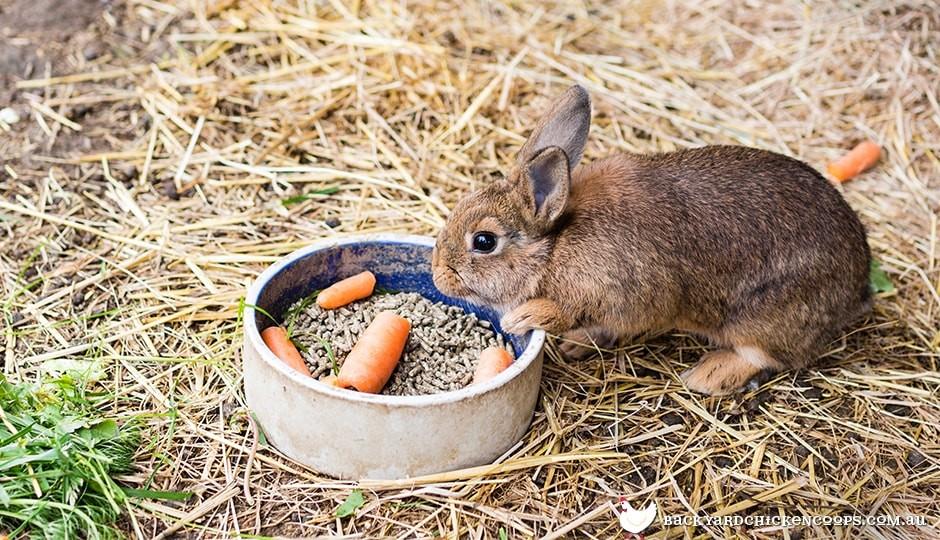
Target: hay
(144,189)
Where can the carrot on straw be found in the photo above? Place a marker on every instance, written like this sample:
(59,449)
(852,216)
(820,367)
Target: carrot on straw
(373,358)
(348,290)
(862,157)
(276,339)
(493,361)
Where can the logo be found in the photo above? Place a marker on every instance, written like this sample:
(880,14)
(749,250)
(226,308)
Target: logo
(632,520)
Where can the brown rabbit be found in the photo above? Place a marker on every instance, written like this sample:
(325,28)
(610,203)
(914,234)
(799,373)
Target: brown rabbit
(753,250)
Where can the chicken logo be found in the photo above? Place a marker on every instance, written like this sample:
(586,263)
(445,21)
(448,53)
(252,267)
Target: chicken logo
(635,521)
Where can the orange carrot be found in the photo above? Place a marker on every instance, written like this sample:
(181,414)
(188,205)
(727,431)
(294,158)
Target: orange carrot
(348,290)
(859,159)
(276,339)
(373,358)
(493,361)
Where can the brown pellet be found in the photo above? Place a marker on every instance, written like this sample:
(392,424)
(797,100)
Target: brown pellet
(442,350)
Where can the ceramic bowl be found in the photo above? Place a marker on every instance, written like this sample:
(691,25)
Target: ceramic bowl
(352,435)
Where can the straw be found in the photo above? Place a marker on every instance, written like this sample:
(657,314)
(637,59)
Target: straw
(144,191)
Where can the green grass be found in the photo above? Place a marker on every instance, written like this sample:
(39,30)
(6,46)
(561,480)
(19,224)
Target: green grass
(878,280)
(353,502)
(307,196)
(294,311)
(241,310)
(290,320)
(57,459)
(330,354)
(383,290)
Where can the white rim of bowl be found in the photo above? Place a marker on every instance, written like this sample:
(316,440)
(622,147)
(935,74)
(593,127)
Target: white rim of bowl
(535,345)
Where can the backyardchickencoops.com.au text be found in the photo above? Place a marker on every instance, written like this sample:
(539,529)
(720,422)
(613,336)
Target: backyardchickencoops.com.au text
(793,521)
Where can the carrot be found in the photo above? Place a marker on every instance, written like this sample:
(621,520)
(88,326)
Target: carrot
(276,339)
(862,157)
(373,358)
(348,290)
(493,361)
(330,380)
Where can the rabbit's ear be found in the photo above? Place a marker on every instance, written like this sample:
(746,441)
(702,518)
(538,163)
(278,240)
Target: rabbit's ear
(544,185)
(565,125)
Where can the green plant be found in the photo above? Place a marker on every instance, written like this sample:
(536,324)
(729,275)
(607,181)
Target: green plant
(878,279)
(353,502)
(307,196)
(57,459)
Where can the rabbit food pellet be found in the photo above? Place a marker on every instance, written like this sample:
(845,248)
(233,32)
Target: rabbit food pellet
(442,351)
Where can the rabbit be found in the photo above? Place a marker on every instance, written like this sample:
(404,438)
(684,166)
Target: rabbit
(752,250)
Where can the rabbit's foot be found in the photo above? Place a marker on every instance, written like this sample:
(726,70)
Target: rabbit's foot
(537,313)
(582,343)
(724,371)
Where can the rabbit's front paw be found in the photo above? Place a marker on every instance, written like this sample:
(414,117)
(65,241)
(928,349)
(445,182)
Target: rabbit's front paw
(538,313)
(720,373)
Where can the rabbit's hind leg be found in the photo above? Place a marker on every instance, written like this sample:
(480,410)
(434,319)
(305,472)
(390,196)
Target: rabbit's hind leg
(726,371)
(582,343)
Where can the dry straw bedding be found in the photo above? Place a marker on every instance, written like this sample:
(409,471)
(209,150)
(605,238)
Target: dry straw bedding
(147,224)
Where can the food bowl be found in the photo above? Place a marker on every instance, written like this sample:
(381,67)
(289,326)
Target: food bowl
(352,435)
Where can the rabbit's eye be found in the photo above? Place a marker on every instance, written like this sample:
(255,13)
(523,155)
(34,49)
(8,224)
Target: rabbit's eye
(484,242)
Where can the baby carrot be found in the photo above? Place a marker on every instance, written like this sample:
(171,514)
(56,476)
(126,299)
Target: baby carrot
(276,339)
(493,361)
(348,290)
(329,380)
(373,358)
(862,157)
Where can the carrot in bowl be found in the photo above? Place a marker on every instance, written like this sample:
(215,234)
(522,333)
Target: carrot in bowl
(348,290)
(373,358)
(493,360)
(329,380)
(862,157)
(276,339)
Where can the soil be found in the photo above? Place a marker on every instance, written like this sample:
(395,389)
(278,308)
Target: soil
(48,38)
(34,32)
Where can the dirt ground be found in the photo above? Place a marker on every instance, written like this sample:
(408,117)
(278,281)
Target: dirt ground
(38,37)
(142,192)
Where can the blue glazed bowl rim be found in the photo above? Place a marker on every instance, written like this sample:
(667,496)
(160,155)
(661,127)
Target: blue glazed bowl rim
(253,336)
